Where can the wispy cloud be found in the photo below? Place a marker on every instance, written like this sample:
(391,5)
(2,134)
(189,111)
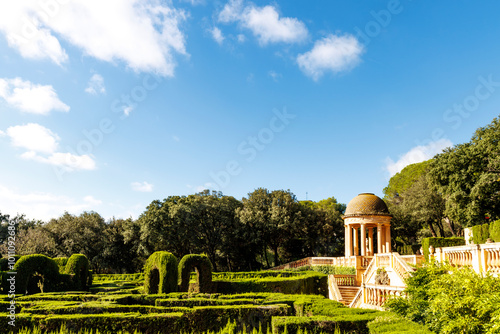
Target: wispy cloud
(416,154)
(43,205)
(264,22)
(152,30)
(31,98)
(42,145)
(96,85)
(334,53)
(142,187)
(217,35)
(276,76)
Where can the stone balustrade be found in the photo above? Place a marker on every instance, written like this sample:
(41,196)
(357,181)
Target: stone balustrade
(375,296)
(482,258)
(345,280)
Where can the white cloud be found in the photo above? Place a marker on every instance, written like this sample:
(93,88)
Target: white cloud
(142,187)
(42,146)
(195,2)
(241,38)
(33,137)
(96,85)
(127,110)
(276,76)
(333,53)
(264,22)
(416,154)
(29,97)
(41,205)
(144,34)
(231,12)
(69,162)
(217,35)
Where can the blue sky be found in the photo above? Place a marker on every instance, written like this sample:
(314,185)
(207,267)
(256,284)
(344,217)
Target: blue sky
(107,106)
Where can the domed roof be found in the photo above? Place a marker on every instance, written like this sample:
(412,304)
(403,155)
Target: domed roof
(366,204)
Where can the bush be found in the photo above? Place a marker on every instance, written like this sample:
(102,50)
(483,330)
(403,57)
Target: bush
(4,263)
(440,242)
(495,231)
(306,283)
(78,265)
(40,265)
(203,268)
(480,233)
(160,273)
(61,263)
(390,323)
(334,270)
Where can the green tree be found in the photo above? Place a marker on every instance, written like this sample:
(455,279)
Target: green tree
(468,177)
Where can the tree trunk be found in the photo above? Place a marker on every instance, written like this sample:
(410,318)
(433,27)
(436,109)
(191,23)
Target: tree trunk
(451,226)
(265,256)
(431,227)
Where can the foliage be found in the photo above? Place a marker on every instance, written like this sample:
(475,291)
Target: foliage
(390,323)
(451,300)
(468,176)
(334,270)
(78,265)
(61,263)
(495,230)
(402,181)
(39,265)
(160,273)
(440,242)
(203,272)
(480,233)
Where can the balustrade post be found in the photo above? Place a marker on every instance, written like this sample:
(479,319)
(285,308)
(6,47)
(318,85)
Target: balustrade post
(476,259)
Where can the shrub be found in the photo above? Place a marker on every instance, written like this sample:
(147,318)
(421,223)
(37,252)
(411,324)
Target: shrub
(334,270)
(78,265)
(495,231)
(440,242)
(480,233)
(390,323)
(4,263)
(40,265)
(61,263)
(160,273)
(203,268)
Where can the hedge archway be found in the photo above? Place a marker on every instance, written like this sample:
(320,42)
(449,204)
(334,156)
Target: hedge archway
(78,265)
(160,273)
(30,266)
(203,267)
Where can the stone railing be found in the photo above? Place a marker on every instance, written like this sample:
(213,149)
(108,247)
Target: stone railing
(333,289)
(413,259)
(345,280)
(375,295)
(482,258)
(358,299)
(295,264)
(352,261)
(400,266)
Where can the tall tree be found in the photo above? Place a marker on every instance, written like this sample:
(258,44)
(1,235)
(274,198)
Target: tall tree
(467,176)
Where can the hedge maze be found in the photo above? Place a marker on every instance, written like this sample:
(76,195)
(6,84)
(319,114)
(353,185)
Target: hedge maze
(169,298)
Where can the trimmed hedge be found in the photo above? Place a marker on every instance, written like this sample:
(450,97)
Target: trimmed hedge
(29,265)
(78,265)
(160,273)
(495,231)
(313,283)
(203,267)
(61,263)
(480,233)
(440,242)
(390,323)
(4,262)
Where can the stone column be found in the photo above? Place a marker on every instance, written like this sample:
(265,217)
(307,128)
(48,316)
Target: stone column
(379,238)
(346,234)
(348,241)
(370,241)
(363,240)
(388,238)
(356,241)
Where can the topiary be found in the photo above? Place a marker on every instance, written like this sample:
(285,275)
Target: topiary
(36,266)
(61,263)
(203,268)
(160,273)
(495,231)
(78,265)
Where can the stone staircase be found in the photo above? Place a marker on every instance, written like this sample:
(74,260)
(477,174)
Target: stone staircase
(348,293)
